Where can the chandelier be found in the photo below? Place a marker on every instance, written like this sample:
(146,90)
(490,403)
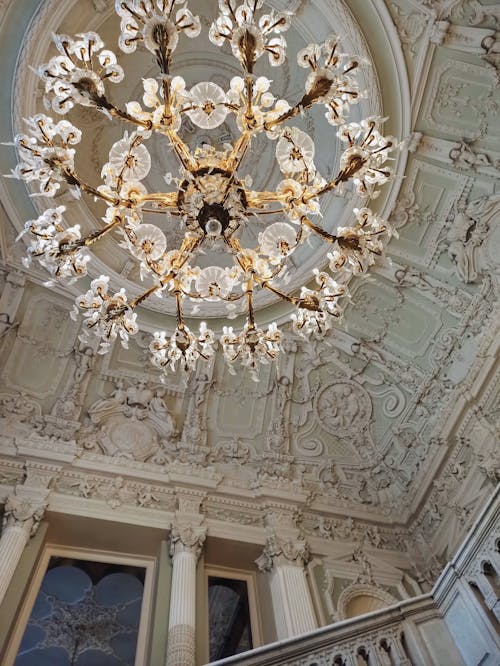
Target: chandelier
(211,196)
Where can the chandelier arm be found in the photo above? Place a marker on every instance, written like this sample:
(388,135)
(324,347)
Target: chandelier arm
(265,212)
(166,97)
(249,295)
(290,299)
(123,115)
(167,199)
(178,304)
(287,115)
(305,221)
(228,105)
(239,150)
(72,178)
(189,244)
(159,211)
(343,176)
(189,247)
(259,199)
(149,292)
(235,158)
(308,100)
(153,265)
(229,299)
(249,91)
(182,151)
(89,240)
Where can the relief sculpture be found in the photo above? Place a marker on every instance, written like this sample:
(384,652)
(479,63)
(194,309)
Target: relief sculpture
(343,407)
(132,422)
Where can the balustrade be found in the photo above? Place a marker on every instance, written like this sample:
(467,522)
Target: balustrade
(443,628)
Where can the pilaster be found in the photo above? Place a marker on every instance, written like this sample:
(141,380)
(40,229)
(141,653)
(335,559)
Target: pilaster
(285,558)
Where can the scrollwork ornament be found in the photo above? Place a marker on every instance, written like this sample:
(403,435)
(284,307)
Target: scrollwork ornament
(232,451)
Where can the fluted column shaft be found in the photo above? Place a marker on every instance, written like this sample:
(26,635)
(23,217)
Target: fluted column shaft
(22,515)
(291,598)
(186,544)
(285,559)
(12,543)
(181,623)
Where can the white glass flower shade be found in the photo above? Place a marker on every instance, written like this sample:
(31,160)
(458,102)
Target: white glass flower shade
(295,151)
(278,241)
(209,100)
(150,242)
(213,283)
(136,159)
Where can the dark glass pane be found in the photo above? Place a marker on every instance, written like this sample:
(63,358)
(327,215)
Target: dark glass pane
(229,617)
(86,614)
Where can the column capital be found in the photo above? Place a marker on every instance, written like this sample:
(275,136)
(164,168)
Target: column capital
(23,512)
(283,550)
(186,537)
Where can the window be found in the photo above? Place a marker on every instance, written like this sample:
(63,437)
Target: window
(232,627)
(84,609)
(85,613)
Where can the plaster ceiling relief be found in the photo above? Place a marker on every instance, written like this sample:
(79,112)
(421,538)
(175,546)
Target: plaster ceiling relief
(384,428)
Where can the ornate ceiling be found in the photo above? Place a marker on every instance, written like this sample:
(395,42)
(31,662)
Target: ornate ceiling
(386,431)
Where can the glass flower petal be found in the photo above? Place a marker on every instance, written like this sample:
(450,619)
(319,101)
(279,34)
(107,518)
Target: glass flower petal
(295,151)
(150,242)
(278,241)
(208,100)
(213,283)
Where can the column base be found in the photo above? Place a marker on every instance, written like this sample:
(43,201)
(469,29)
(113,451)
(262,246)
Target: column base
(181,646)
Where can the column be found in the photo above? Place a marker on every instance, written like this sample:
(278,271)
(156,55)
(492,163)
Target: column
(285,560)
(388,649)
(398,651)
(20,522)
(186,542)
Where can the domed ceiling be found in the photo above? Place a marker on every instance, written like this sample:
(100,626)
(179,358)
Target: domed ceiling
(389,422)
(196,61)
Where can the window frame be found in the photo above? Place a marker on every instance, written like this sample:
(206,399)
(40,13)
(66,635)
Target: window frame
(92,555)
(250,578)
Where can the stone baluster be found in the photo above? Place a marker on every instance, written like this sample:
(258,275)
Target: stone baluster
(370,654)
(186,542)
(398,653)
(384,650)
(20,522)
(285,560)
